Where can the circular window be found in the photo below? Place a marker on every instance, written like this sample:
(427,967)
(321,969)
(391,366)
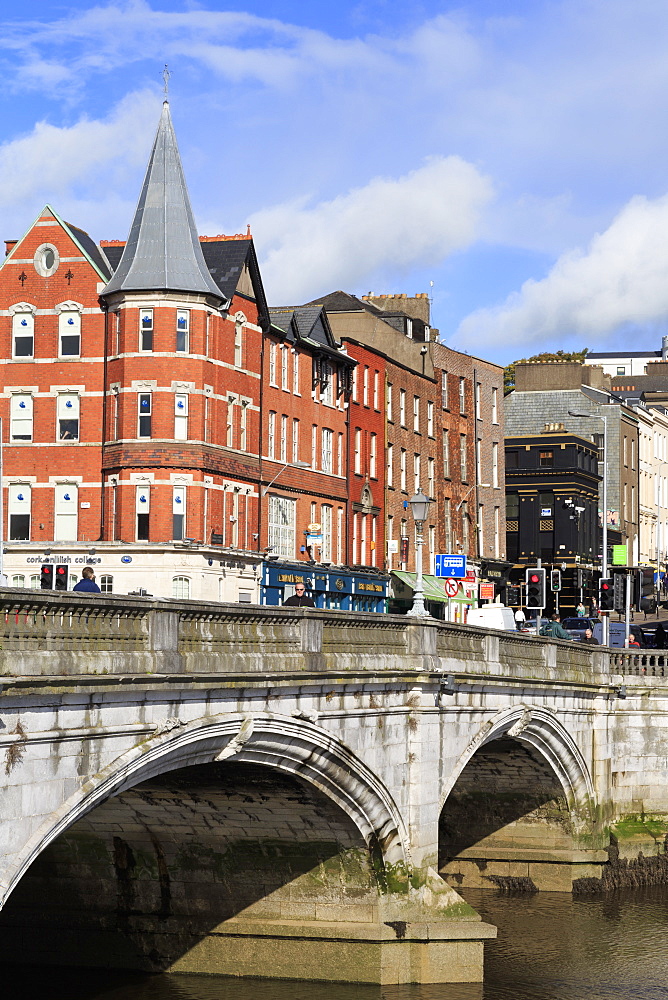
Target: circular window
(46,260)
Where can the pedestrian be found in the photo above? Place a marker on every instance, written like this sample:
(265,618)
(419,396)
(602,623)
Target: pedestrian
(593,609)
(520,618)
(580,610)
(554,629)
(660,636)
(87,582)
(299,598)
(588,638)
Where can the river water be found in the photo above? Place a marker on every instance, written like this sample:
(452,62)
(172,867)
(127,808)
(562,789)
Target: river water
(550,947)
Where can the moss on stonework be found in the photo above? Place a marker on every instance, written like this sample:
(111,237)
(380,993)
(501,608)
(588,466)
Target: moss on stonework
(630,827)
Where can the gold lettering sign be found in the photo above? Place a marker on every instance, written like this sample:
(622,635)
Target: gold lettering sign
(375,587)
(290,578)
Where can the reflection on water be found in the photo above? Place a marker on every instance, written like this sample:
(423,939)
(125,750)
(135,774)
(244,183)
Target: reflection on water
(550,947)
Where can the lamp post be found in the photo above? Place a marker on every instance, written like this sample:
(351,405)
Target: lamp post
(419,507)
(604,521)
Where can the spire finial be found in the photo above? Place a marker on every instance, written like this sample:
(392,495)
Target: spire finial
(166,75)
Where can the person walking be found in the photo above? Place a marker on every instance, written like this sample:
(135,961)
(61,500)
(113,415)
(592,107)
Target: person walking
(87,582)
(520,618)
(554,629)
(581,610)
(299,598)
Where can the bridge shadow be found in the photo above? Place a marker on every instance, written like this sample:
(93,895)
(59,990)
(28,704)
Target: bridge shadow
(506,799)
(147,876)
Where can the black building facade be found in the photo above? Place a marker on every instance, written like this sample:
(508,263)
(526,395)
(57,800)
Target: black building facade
(552,486)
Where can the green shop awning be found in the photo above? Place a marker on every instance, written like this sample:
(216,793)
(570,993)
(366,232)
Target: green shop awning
(432,586)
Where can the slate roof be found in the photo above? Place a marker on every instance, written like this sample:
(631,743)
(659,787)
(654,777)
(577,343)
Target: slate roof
(163,251)
(308,323)
(344,302)
(90,248)
(623,354)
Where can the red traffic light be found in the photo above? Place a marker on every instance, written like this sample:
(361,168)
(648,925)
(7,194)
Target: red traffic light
(534,578)
(605,586)
(61,569)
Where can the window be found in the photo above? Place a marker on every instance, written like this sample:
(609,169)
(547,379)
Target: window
(512,506)
(284,438)
(282,526)
(181,587)
(67,406)
(272,364)
(326,527)
(19,512)
(447,519)
(416,414)
(178,513)
(481,547)
(416,473)
(284,367)
(389,401)
(546,459)
(229,426)
(271,435)
(465,527)
(183,330)
(243,425)
(238,344)
(144,403)
(478,459)
(354,392)
(495,464)
(145,331)
(20,411)
(339,456)
(69,334)
(430,418)
(19,580)
(462,457)
(430,477)
(107,584)
(143,508)
(358,450)
(497,548)
(66,503)
(372,455)
(314,446)
(402,407)
(295,373)
(339,535)
(390,465)
(295,440)
(446,454)
(327,384)
(326,449)
(35,582)
(462,395)
(478,392)
(444,390)
(365,395)
(181,416)
(23,334)
(375,390)
(621,370)
(495,406)
(402,469)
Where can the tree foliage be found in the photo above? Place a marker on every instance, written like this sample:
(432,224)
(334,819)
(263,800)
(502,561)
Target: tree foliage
(509,370)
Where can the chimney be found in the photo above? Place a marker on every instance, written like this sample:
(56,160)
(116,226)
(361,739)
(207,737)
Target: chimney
(10,244)
(664,348)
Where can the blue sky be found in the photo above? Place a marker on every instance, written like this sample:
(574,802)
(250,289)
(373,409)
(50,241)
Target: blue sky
(514,154)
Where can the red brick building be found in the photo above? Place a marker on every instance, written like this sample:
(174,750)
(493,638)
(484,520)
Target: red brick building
(159,423)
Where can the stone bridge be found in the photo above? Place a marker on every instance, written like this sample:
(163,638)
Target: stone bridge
(299,793)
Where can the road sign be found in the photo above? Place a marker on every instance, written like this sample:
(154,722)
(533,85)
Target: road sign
(451,565)
(451,588)
(486,591)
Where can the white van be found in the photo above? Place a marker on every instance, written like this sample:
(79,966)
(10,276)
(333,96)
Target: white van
(492,616)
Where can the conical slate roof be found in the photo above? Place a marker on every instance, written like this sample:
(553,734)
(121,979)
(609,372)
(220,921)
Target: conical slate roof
(163,251)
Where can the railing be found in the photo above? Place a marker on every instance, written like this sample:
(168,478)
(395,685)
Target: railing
(44,633)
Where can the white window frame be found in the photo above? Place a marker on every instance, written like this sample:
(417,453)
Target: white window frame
(146,331)
(66,504)
(21,423)
(19,504)
(326,447)
(179,510)
(183,331)
(69,318)
(281,525)
(144,415)
(23,328)
(181,416)
(68,413)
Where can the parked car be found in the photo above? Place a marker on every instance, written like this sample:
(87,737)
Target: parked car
(576,627)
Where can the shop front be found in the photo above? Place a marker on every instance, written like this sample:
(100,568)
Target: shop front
(333,587)
(447,599)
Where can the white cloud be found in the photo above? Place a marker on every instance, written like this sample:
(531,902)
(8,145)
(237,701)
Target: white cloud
(401,223)
(77,162)
(619,279)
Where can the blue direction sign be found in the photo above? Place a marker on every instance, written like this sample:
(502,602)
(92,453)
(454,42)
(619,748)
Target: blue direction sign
(454,565)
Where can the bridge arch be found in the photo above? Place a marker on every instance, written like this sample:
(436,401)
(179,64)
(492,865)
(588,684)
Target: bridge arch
(518,809)
(293,746)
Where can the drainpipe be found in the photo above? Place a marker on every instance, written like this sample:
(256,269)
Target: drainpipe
(105,309)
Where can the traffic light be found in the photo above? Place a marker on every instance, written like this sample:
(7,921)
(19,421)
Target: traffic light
(606,593)
(535,588)
(61,577)
(46,577)
(619,591)
(555,580)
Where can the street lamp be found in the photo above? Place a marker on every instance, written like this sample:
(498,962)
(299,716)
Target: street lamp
(288,465)
(604,520)
(419,508)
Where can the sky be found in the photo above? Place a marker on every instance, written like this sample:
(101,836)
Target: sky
(509,158)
